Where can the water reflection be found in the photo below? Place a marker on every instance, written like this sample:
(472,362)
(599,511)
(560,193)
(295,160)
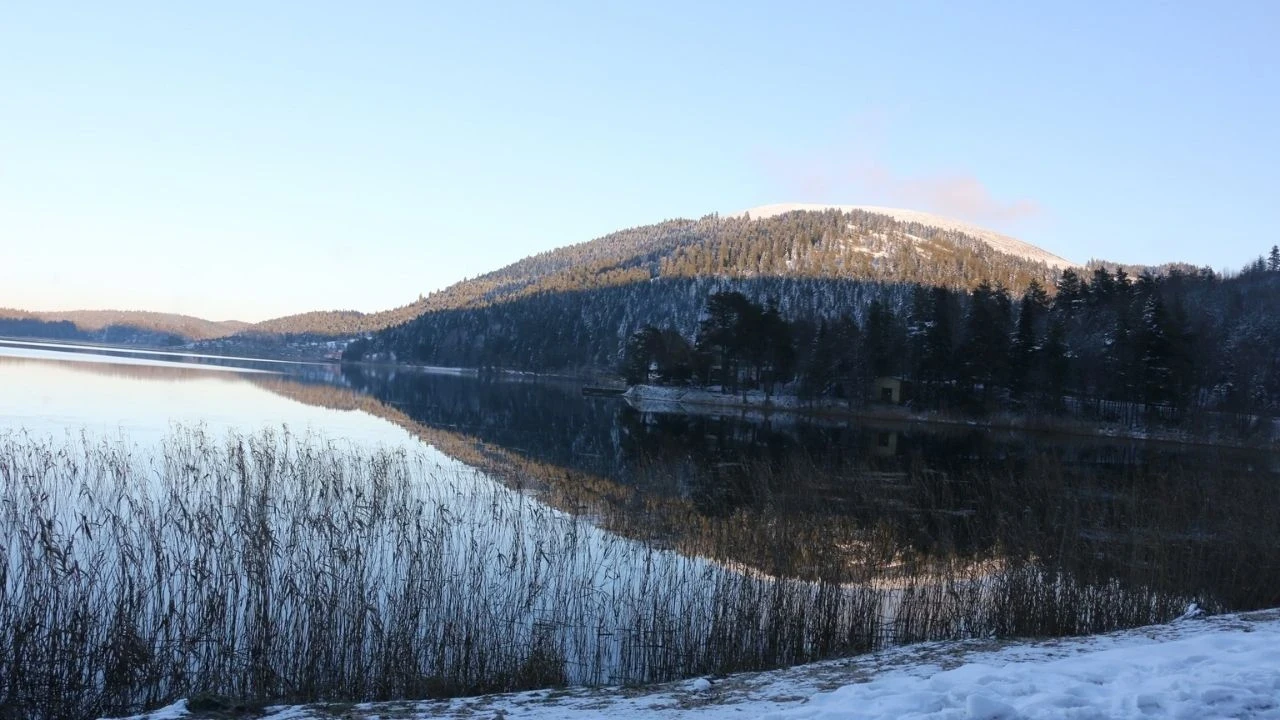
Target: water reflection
(781,493)
(792,496)
(142,399)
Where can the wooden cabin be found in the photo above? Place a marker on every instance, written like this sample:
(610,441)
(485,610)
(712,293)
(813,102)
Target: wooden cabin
(890,390)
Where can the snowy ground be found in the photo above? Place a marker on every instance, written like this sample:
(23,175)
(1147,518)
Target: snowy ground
(1219,667)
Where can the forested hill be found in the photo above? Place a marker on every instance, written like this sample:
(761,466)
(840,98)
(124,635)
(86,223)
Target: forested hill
(853,245)
(337,323)
(573,308)
(826,244)
(117,326)
(133,327)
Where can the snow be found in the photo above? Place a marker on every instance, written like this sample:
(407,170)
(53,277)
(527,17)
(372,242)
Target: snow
(1003,243)
(171,712)
(1226,666)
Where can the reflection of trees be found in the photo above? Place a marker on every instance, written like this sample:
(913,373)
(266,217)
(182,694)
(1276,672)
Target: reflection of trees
(546,421)
(807,499)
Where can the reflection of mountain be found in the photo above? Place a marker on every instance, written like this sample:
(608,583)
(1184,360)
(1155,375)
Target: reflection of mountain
(108,361)
(794,498)
(565,488)
(158,371)
(647,507)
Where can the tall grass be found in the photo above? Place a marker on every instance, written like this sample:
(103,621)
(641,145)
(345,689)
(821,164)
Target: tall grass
(281,568)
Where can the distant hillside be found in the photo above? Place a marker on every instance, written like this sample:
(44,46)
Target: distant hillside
(573,307)
(1134,270)
(123,326)
(339,323)
(149,328)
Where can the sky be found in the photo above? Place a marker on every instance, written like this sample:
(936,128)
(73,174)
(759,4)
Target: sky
(248,160)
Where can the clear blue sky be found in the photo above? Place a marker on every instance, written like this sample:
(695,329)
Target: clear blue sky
(247,160)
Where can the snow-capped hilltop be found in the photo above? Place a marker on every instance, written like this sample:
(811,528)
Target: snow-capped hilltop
(1003,243)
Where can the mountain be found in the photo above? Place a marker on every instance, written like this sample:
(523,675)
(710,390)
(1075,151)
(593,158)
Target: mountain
(844,242)
(573,307)
(800,242)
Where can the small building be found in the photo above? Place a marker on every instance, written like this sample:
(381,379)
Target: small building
(890,390)
(886,444)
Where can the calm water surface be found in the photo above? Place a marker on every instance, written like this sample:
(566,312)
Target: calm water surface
(958,484)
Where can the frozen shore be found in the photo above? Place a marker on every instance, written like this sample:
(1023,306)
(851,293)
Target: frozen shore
(1195,667)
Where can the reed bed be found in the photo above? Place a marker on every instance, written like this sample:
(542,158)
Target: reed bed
(283,568)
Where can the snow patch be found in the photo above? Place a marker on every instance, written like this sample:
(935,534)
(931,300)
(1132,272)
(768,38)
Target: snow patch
(1223,666)
(171,712)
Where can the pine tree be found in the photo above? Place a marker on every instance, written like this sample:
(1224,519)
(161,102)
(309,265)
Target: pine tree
(1055,363)
(674,358)
(1156,353)
(1023,348)
(819,371)
(884,340)
(849,374)
(986,345)
(1102,287)
(938,363)
(638,356)
(918,321)
(1070,292)
(1273,259)
(777,352)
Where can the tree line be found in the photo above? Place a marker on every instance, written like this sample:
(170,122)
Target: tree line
(1169,343)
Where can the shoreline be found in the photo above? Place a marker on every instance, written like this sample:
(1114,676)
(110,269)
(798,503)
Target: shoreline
(1201,663)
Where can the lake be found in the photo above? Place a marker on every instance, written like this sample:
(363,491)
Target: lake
(179,524)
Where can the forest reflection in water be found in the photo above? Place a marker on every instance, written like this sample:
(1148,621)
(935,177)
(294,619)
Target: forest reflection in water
(834,499)
(806,497)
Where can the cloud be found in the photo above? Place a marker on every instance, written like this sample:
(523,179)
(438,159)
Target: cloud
(960,196)
(854,173)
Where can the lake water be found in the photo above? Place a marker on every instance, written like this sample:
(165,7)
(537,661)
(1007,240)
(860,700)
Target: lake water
(176,524)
